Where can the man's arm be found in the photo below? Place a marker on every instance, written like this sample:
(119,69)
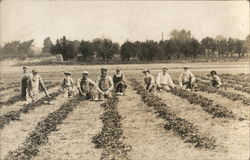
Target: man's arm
(111,83)
(171,84)
(158,79)
(43,86)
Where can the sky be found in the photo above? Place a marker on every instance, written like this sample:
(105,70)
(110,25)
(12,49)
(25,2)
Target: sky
(120,20)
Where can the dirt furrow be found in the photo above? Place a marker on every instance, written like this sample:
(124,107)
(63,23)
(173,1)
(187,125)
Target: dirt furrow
(213,126)
(15,132)
(146,134)
(73,138)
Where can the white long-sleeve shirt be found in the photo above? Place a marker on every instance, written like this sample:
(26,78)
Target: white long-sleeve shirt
(164,79)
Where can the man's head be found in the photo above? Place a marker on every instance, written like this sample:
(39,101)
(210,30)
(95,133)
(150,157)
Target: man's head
(34,72)
(67,74)
(104,72)
(118,70)
(164,69)
(146,71)
(213,73)
(25,69)
(185,68)
(85,74)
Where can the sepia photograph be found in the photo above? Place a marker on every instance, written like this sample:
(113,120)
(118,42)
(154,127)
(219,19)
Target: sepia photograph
(124,80)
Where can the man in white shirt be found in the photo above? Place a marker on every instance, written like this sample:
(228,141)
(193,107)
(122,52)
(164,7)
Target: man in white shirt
(187,79)
(164,80)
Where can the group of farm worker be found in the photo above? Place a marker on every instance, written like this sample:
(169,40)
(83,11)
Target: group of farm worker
(186,80)
(104,84)
(88,89)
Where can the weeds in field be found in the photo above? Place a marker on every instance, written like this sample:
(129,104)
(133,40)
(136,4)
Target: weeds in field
(15,115)
(110,136)
(10,85)
(39,136)
(186,130)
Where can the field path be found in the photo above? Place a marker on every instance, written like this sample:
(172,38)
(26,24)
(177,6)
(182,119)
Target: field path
(145,133)
(13,134)
(74,136)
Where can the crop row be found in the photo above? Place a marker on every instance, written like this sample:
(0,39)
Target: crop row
(39,136)
(16,98)
(205,87)
(240,86)
(237,78)
(110,136)
(10,85)
(15,115)
(185,129)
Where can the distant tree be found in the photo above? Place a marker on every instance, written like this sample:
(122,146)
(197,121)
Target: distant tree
(105,48)
(247,43)
(209,44)
(25,48)
(47,45)
(128,50)
(86,49)
(222,47)
(240,49)
(10,49)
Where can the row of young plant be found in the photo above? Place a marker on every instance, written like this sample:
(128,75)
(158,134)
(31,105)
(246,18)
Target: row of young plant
(15,115)
(110,137)
(238,77)
(206,104)
(237,85)
(16,98)
(39,136)
(205,87)
(10,85)
(185,129)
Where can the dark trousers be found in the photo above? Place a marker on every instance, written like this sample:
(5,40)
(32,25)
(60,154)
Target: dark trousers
(120,88)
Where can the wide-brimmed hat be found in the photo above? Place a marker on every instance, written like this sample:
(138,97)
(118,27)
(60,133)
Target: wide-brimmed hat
(34,71)
(164,67)
(25,67)
(187,67)
(67,73)
(213,72)
(85,72)
(118,68)
(146,70)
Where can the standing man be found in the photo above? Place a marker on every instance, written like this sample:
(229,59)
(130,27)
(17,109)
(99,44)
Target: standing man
(105,84)
(87,87)
(164,80)
(215,80)
(119,82)
(149,80)
(33,83)
(24,79)
(67,85)
(187,79)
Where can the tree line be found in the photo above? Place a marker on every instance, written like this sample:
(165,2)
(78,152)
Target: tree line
(180,45)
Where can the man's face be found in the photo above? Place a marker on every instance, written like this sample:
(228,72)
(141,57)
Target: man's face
(34,73)
(185,69)
(164,70)
(25,70)
(67,75)
(85,76)
(104,74)
(212,74)
(117,71)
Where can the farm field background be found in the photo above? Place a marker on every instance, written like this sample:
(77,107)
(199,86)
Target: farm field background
(203,124)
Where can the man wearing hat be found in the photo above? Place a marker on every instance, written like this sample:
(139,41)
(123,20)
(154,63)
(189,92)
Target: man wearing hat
(33,83)
(187,79)
(24,79)
(215,80)
(164,80)
(86,87)
(119,82)
(67,85)
(105,84)
(149,80)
